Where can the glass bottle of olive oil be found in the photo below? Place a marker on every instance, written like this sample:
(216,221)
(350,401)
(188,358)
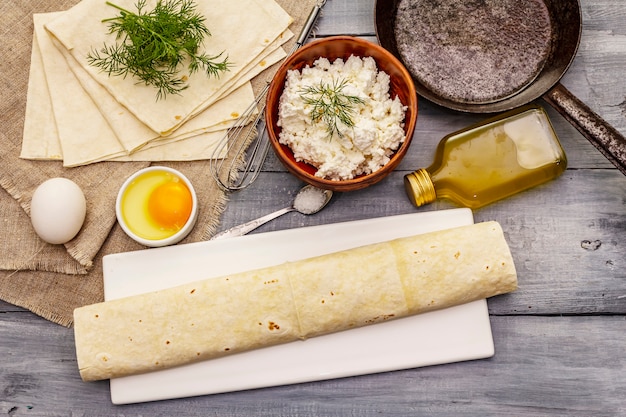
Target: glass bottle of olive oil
(490,161)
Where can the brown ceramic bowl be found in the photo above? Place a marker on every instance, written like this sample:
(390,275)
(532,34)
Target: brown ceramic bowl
(332,48)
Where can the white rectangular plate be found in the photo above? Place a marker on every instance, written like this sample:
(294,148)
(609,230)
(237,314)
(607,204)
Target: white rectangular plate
(451,335)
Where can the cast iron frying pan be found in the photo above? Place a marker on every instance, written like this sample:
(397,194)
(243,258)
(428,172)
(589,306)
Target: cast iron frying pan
(487,56)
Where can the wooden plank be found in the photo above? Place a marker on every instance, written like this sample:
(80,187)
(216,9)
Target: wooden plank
(346,17)
(559,366)
(559,339)
(567,240)
(6,307)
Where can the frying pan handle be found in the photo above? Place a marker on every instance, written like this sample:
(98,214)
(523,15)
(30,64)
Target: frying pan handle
(603,136)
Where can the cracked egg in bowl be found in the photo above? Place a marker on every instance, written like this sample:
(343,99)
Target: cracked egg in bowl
(157,206)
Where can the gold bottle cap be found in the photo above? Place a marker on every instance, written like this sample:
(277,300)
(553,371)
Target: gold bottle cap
(419,187)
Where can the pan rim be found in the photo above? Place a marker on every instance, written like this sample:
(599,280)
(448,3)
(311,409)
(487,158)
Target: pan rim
(548,77)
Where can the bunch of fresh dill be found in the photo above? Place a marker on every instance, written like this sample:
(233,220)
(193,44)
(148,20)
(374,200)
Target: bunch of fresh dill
(153,45)
(330,105)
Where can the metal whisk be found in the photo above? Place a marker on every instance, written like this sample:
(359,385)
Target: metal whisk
(238,151)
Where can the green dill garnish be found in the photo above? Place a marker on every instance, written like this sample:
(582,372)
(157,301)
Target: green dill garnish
(331,105)
(154,44)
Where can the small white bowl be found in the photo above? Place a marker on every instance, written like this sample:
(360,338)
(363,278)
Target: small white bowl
(172,239)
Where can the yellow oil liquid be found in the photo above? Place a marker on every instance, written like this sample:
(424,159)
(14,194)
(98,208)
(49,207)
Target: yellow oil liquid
(480,165)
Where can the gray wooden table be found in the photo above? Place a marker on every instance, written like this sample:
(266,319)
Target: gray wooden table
(560,340)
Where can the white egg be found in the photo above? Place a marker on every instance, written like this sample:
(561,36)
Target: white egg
(57,210)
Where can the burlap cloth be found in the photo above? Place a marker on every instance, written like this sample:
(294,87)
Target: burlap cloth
(52,280)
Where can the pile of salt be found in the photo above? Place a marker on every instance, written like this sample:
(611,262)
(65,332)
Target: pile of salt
(309,200)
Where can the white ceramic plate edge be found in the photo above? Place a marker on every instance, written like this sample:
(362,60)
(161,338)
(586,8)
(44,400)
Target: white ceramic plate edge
(451,335)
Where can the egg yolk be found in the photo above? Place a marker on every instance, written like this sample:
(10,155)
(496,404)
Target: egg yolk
(170,204)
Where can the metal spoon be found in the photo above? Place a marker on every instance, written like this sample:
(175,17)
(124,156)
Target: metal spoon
(309,200)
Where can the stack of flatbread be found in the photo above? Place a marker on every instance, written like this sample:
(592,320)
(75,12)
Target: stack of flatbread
(80,115)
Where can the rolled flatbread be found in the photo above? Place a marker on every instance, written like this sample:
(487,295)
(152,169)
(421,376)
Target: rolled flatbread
(297,300)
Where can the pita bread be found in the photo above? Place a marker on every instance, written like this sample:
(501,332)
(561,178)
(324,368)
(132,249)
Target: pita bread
(241,36)
(84,135)
(42,139)
(200,146)
(135,135)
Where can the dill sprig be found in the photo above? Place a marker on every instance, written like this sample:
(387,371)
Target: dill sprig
(331,105)
(153,45)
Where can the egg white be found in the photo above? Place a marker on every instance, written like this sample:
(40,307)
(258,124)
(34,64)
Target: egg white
(134,205)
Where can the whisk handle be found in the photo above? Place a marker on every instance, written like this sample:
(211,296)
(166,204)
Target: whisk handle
(310,22)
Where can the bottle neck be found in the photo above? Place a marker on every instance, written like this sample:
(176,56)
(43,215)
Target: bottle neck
(419,187)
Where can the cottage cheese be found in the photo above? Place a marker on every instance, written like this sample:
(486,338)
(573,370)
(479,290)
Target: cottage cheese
(361,149)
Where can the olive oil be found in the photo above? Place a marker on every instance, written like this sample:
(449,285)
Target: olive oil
(490,161)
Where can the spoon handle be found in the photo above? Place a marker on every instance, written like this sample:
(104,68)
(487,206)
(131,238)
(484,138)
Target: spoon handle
(244,228)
